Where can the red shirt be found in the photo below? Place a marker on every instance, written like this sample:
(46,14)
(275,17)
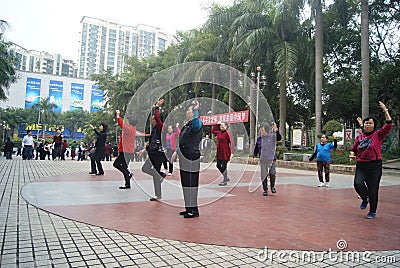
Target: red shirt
(225,144)
(171,138)
(126,138)
(373,150)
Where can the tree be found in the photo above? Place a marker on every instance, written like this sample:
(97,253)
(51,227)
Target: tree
(365,65)
(7,68)
(44,108)
(74,120)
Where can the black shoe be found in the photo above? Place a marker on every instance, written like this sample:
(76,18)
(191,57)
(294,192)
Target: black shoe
(92,173)
(183,212)
(273,190)
(155,198)
(190,215)
(265,193)
(124,187)
(100,174)
(224,183)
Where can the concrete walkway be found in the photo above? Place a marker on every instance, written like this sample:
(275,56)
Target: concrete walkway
(53,214)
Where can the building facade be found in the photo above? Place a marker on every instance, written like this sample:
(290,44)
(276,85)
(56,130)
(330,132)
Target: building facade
(105,43)
(67,93)
(43,62)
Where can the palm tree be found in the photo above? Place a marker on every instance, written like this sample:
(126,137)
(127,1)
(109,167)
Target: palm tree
(7,68)
(45,109)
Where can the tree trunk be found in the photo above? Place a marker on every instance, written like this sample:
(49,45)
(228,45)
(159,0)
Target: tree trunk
(319,67)
(282,108)
(365,65)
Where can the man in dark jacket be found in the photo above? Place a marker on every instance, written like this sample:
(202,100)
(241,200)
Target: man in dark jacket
(8,148)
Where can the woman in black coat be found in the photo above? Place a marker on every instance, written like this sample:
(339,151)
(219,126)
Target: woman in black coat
(99,150)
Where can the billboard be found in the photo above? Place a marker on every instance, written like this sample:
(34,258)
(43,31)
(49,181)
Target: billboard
(55,94)
(76,96)
(32,91)
(97,101)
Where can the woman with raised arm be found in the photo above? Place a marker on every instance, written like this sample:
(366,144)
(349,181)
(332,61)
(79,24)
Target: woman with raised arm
(367,152)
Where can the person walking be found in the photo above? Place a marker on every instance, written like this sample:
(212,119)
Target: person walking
(126,147)
(206,148)
(366,150)
(189,160)
(8,148)
(27,145)
(323,153)
(225,149)
(170,144)
(108,152)
(57,145)
(265,150)
(156,153)
(98,154)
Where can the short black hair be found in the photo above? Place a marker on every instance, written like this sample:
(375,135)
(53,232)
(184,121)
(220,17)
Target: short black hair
(105,126)
(373,119)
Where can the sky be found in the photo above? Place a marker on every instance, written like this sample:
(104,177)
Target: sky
(53,26)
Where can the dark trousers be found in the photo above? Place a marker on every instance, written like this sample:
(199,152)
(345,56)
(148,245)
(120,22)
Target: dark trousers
(8,154)
(268,168)
(169,162)
(221,165)
(323,167)
(27,152)
(189,171)
(121,163)
(95,160)
(366,182)
(152,166)
(57,151)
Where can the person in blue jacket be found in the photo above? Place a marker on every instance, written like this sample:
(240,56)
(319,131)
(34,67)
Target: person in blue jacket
(323,153)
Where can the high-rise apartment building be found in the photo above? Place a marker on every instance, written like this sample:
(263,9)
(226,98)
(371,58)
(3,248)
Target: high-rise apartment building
(42,62)
(105,43)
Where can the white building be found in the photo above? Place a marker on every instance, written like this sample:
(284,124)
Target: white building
(42,62)
(105,43)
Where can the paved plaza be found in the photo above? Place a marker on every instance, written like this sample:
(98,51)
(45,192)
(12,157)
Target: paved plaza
(54,214)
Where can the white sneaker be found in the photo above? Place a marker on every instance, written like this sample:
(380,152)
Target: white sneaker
(169,174)
(321,184)
(327,184)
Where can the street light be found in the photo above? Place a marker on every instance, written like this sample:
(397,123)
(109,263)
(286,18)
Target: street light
(260,79)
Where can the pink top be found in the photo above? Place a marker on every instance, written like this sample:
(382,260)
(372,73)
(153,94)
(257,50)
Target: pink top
(372,151)
(171,138)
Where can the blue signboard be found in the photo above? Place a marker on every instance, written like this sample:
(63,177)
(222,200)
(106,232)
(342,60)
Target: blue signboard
(97,102)
(32,91)
(55,94)
(76,96)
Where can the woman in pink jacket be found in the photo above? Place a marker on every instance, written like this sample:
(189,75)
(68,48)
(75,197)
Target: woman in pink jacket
(170,144)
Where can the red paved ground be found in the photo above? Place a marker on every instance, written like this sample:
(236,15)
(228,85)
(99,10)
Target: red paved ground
(297,217)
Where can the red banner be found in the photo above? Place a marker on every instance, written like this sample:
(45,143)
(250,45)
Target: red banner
(234,117)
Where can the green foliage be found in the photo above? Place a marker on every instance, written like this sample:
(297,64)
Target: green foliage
(7,63)
(332,126)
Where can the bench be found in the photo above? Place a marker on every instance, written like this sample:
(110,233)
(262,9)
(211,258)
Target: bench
(288,156)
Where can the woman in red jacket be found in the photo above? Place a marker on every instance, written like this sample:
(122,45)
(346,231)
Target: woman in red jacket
(224,149)
(126,147)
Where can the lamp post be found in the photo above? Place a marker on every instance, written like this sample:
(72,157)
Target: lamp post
(260,79)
